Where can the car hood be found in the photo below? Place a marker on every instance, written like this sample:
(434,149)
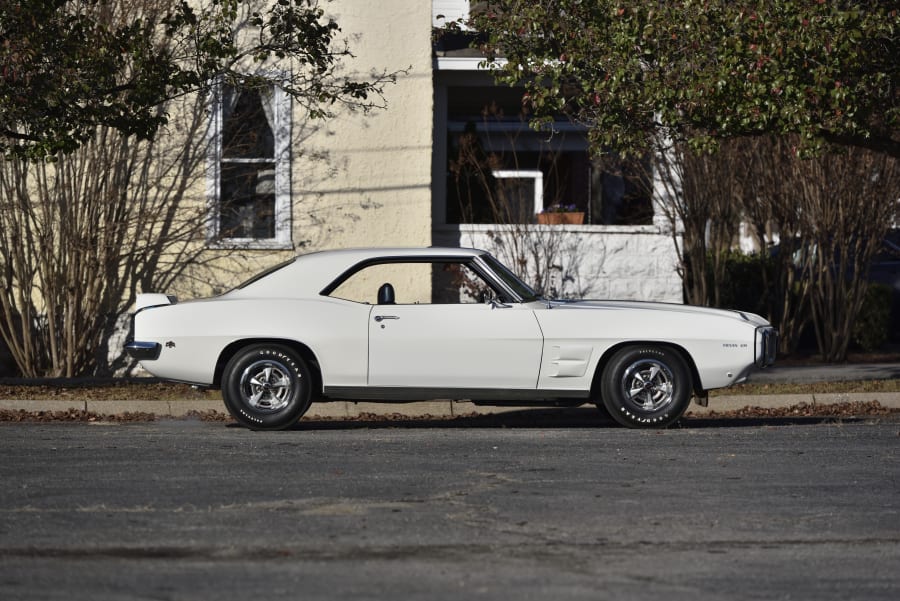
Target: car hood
(653,306)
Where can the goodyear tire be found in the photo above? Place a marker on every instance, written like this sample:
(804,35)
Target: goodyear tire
(646,386)
(267,387)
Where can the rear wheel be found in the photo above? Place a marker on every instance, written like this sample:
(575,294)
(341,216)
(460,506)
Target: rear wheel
(267,387)
(646,386)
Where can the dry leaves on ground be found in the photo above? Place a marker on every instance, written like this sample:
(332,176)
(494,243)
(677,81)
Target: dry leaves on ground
(845,410)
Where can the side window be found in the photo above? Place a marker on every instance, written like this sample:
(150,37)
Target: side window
(249,167)
(407,280)
(415,283)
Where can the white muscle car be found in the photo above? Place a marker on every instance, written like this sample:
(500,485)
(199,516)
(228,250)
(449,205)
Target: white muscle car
(400,324)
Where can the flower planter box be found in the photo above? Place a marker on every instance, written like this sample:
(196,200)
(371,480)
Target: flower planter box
(570,218)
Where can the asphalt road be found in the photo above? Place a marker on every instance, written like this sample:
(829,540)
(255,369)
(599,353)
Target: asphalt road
(807,509)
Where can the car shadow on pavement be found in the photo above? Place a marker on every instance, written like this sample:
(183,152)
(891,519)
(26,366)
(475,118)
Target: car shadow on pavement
(759,422)
(558,418)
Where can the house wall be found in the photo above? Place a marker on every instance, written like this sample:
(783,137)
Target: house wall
(357,178)
(365,179)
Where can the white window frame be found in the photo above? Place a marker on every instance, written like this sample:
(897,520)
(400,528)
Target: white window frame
(447,11)
(282,160)
(536,175)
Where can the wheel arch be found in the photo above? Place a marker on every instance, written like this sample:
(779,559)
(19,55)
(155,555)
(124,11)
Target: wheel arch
(608,354)
(304,351)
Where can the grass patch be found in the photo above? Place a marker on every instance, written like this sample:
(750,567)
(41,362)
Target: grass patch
(809,388)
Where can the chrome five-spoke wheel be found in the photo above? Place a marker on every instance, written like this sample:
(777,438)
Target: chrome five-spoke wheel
(266,386)
(646,386)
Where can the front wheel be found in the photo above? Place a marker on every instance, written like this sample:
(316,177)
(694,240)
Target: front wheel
(267,387)
(646,386)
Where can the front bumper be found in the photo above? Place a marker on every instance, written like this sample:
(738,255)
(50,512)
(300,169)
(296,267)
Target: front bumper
(766,346)
(143,351)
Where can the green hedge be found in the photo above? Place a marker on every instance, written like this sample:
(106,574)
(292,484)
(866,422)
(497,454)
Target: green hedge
(745,288)
(870,331)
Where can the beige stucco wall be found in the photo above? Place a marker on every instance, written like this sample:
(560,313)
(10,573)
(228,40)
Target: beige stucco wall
(357,178)
(365,179)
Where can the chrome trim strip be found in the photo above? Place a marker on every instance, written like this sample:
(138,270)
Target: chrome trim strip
(396,394)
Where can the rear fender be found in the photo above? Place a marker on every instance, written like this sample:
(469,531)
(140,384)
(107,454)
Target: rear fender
(153,299)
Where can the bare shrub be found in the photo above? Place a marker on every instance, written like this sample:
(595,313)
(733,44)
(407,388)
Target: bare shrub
(821,219)
(79,237)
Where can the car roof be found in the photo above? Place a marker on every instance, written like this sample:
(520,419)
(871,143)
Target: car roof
(390,252)
(308,274)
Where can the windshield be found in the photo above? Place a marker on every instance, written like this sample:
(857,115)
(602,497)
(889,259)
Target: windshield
(511,280)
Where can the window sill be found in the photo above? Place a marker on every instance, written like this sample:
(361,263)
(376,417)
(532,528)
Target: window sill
(580,228)
(249,244)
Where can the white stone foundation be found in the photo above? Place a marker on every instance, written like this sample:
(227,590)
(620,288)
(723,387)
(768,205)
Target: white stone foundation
(597,262)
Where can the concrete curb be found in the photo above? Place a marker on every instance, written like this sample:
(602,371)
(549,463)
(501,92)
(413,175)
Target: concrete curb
(181,408)
(775,401)
(439,408)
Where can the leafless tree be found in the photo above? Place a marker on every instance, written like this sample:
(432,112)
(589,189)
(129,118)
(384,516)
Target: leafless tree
(817,222)
(83,233)
(79,237)
(700,203)
(831,214)
(847,202)
(768,197)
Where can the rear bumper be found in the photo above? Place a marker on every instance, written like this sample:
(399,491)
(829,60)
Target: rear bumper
(143,351)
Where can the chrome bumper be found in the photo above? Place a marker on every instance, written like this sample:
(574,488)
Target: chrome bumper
(143,351)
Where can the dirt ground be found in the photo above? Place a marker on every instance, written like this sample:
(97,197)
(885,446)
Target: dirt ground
(120,389)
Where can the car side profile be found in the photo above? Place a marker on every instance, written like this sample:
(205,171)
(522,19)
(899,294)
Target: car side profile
(402,324)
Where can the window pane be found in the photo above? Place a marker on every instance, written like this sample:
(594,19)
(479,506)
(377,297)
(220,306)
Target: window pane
(246,130)
(621,193)
(457,283)
(417,283)
(515,199)
(247,207)
(476,195)
(487,132)
(409,280)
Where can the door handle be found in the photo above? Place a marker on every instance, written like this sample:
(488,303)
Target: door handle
(380,318)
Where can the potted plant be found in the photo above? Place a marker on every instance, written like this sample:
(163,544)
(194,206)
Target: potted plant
(559,214)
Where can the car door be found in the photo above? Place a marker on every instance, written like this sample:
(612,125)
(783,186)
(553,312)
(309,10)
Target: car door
(454,346)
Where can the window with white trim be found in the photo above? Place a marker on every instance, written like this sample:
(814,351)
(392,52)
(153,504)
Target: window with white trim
(499,170)
(248,172)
